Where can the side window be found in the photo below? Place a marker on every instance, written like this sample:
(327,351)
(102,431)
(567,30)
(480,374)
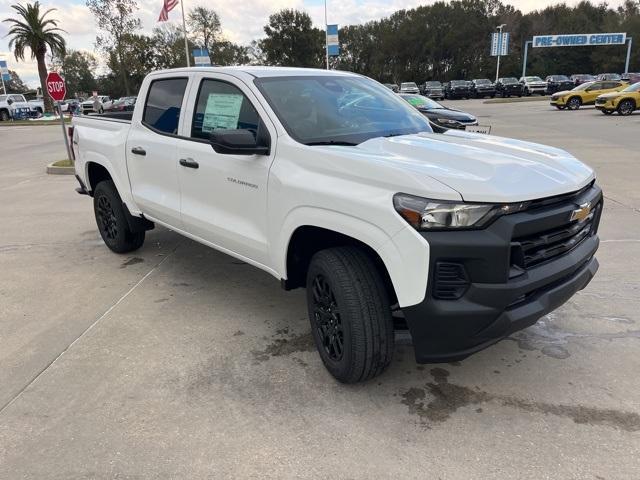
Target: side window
(221,105)
(164,101)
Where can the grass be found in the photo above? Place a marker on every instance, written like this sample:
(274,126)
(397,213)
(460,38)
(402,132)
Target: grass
(63,163)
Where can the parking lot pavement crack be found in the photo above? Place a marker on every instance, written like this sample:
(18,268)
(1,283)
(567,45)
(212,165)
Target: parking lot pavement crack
(88,329)
(618,202)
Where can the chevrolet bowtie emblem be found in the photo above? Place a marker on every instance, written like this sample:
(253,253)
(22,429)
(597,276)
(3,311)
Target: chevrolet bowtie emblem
(582,212)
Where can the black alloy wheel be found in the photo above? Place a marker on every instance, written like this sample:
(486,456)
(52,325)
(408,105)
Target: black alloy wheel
(327,321)
(107,222)
(626,107)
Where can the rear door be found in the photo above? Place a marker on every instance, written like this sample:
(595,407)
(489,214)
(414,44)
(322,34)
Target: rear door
(592,92)
(224,199)
(151,149)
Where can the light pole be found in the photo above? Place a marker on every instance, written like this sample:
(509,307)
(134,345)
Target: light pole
(326,36)
(500,27)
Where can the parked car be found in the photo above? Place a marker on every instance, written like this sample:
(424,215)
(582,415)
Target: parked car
(533,85)
(392,86)
(580,78)
(409,87)
(508,86)
(37,105)
(123,104)
(630,78)
(608,76)
(433,89)
(469,237)
(456,89)
(441,117)
(482,87)
(14,105)
(625,102)
(584,94)
(104,103)
(558,83)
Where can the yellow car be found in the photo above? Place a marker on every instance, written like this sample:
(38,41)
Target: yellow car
(585,94)
(624,102)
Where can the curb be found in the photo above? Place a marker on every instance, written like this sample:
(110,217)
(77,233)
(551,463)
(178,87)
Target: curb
(53,170)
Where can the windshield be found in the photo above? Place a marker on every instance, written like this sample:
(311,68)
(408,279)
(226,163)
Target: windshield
(482,81)
(633,88)
(433,84)
(458,82)
(611,76)
(409,85)
(509,80)
(533,79)
(559,78)
(419,101)
(583,86)
(331,109)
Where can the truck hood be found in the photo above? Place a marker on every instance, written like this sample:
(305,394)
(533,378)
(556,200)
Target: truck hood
(484,168)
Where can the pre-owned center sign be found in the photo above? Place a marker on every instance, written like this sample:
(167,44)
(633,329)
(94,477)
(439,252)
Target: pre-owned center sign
(579,40)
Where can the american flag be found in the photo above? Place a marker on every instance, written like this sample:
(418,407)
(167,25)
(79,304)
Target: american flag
(166,8)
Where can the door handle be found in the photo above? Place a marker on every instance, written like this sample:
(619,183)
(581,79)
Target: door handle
(138,151)
(189,163)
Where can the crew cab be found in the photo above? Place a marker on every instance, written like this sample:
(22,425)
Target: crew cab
(532,85)
(457,89)
(409,87)
(331,182)
(433,89)
(507,86)
(482,87)
(558,83)
(14,105)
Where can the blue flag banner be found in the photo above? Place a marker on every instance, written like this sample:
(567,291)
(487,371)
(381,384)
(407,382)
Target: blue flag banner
(333,45)
(4,70)
(499,44)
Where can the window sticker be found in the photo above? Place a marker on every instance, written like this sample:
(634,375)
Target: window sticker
(222,111)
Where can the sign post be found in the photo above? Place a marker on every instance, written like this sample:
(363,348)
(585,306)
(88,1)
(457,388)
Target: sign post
(499,46)
(57,91)
(4,75)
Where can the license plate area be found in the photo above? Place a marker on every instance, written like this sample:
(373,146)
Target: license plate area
(484,129)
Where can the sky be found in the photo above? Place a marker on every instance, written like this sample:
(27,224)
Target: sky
(241,21)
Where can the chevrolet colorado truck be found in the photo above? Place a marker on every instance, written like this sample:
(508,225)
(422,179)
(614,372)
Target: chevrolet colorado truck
(331,182)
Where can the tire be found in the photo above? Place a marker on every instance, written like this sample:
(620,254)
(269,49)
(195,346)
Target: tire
(574,103)
(112,220)
(350,314)
(4,116)
(626,107)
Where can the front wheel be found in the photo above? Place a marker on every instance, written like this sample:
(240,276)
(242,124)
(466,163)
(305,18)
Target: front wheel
(4,116)
(574,103)
(626,107)
(112,221)
(350,314)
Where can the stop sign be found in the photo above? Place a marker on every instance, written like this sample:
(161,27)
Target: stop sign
(56,87)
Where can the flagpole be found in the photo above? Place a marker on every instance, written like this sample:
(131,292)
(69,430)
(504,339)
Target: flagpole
(186,42)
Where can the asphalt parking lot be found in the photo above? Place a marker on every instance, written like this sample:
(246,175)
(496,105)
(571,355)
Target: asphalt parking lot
(181,362)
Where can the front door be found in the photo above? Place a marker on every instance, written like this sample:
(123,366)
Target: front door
(151,151)
(224,197)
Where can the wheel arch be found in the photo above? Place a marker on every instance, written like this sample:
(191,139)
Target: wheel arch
(403,257)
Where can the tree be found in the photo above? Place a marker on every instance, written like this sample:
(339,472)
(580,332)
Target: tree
(116,20)
(78,69)
(15,83)
(136,52)
(292,40)
(33,30)
(168,46)
(205,27)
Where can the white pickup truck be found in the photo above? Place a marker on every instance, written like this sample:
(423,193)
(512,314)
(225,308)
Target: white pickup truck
(331,182)
(14,103)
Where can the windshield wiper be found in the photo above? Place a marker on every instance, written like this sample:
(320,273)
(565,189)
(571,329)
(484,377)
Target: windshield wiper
(333,142)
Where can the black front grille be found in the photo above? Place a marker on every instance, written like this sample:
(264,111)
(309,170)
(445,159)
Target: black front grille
(601,101)
(541,247)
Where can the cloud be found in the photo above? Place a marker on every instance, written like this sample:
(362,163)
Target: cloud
(241,21)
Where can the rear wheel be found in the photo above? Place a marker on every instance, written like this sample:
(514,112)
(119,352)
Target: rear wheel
(350,314)
(4,116)
(112,221)
(626,107)
(574,103)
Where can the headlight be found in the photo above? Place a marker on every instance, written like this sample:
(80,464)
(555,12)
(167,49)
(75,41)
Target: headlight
(445,120)
(425,214)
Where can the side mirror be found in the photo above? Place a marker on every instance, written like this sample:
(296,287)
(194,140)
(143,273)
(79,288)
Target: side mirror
(239,142)
(9,101)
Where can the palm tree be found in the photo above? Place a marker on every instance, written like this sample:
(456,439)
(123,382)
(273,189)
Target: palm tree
(34,31)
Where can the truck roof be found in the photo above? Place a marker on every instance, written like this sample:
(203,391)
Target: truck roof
(260,71)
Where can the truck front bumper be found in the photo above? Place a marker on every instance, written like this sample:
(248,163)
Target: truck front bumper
(499,293)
